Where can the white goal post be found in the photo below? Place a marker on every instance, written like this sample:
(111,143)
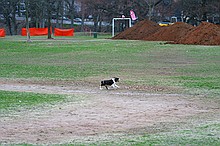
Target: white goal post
(113,24)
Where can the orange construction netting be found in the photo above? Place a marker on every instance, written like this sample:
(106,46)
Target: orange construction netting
(63,32)
(2,32)
(35,31)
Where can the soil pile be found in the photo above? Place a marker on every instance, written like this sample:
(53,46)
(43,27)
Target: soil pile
(171,33)
(139,31)
(205,34)
(179,33)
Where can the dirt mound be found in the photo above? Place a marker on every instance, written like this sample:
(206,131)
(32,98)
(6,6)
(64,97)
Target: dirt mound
(170,33)
(205,34)
(139,31)
(179,33)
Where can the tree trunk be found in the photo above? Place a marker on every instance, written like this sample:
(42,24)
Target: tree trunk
(27,22)
(57,14)
(8,17)
(49,28)
(204,12)
(83,16)
(61,11)
(150,12)
(49,9)
(42,16)
(151,5)
(8,21)
(14,24)
(72,13)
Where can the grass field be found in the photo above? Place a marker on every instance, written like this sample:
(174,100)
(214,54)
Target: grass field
(195,68)
(151,67)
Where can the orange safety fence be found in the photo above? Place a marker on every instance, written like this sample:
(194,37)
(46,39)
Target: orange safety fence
(63,32)
(2,32)
(35,31)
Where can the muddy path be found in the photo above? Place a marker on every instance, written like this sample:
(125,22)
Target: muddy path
(100,115)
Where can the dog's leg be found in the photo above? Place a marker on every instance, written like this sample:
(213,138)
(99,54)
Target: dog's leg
(114,85)
(106,87)
(100,87)
(117,86)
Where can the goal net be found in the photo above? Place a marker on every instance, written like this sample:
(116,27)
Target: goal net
(120,24)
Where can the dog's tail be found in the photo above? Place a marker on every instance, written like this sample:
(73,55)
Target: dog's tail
(101,84)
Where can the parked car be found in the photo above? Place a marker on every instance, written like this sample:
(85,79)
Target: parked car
(1,17)
(77,20)
(165,23)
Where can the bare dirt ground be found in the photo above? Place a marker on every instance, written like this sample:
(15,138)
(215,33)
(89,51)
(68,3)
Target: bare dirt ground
(99,114)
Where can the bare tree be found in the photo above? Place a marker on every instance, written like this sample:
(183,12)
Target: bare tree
(14,4)
(5,5)
(61,11)
(9,12)
(72,12)
(58,7)
(195,11)
(37,12)
(27,21)
(151,5)
(50,8)
(215,11)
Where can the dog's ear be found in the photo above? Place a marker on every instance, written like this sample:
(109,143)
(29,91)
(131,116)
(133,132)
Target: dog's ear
(116,79)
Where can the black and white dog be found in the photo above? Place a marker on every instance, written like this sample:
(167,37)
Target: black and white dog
(111,82)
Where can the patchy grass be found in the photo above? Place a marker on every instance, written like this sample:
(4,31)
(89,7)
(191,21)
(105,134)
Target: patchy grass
(180,68)
(70,60)
(138,63)
(207,134)
(13,101)
(203,135)
(202,73)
